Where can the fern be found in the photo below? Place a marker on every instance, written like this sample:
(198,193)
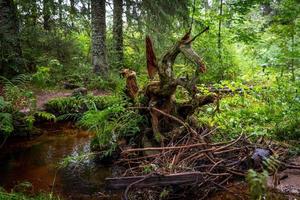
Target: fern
(257,184)
(69,116)
(6,123)
(272,163)
(21,79)
(5,106)
(45,115)
(18,80)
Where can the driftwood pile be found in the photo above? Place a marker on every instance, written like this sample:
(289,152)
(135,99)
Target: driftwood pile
(202,167)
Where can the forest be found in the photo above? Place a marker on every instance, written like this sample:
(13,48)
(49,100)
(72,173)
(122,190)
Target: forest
(149,99)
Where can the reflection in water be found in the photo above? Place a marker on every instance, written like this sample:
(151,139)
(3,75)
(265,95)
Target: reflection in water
(36,161)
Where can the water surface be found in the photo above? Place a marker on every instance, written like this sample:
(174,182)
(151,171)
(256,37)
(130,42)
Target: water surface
(36,160)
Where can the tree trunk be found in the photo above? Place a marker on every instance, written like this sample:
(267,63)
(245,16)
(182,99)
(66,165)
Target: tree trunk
(60,11)
(219,31)
(118,32)
(34,12)
(10,48)
(293,57)
(89,9)
(46,14)
(98,37)
(128,4)
(220,52)
(72,12)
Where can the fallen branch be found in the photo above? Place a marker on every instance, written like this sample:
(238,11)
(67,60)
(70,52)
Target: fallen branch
(163,148)
(158,180)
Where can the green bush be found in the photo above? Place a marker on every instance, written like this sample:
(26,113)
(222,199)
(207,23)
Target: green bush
(42,76)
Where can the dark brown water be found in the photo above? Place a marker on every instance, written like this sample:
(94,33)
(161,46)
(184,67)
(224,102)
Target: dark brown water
(36,161)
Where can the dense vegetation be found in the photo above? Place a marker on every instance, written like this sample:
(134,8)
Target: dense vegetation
(251,51)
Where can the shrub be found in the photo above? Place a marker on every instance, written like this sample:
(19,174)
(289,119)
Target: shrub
(110,125)
(42,76)
(271,111)
(81,104)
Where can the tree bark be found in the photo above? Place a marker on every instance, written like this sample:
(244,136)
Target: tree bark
(46,14)
(219,31)
(10,48)
(60,11)
(118,32)
(34,12)
(72,12)
(128,4)
(160,93)
(99,60)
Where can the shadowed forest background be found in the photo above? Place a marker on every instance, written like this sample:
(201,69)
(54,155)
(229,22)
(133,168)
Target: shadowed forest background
(64,60)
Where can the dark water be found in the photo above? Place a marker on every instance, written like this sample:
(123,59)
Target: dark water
(36,161)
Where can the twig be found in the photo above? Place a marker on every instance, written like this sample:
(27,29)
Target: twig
(132,184)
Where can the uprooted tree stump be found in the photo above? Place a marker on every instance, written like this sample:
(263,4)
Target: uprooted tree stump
(175,150)
(166,114)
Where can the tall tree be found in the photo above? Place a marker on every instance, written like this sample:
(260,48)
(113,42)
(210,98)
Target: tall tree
(73,12)
(46,14)
(60,11)
(219,31)
(118,31)
(10,48)
(99,37)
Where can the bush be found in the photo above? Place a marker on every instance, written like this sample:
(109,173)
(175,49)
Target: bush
(42,76)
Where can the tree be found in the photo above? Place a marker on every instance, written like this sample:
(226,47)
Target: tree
(219,31)
(99,36)
(10,48)
(46,14)
(118,31)
(73,12)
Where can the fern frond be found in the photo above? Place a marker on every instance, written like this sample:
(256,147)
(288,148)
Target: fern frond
(69,116)
(20,79)
(45,115)
(6,123)
(6,82)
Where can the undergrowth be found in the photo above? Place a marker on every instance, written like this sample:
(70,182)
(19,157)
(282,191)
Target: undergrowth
(271,110)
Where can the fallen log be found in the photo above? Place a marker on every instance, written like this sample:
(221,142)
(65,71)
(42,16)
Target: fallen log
(182,179)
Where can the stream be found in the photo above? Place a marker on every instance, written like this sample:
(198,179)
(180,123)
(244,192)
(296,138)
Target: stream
(36,161)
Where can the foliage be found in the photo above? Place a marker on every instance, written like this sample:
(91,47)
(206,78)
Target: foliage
(110,125)
(78,105)
(42,76)
(17,99)
(19,196)
(271,110)
(6,117)
(257,184)
(6,123)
